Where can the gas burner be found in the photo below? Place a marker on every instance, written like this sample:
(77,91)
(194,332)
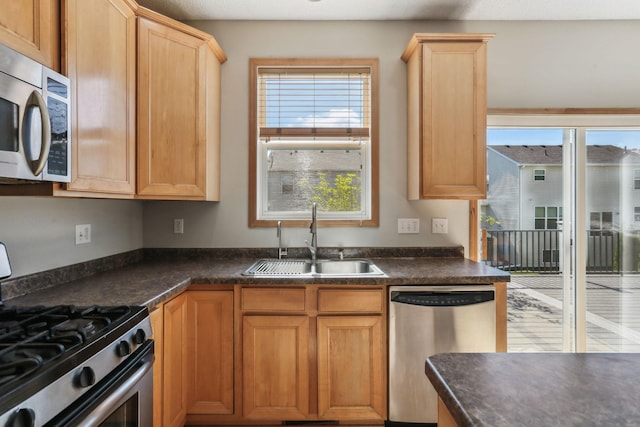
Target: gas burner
(20,360)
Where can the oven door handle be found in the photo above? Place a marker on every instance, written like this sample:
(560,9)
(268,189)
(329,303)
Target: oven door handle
(114,399)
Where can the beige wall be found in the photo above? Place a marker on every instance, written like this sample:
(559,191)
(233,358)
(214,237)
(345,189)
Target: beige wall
(531,64)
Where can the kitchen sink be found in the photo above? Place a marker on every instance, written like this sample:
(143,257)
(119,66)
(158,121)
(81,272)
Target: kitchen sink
(349,267)
(305,268)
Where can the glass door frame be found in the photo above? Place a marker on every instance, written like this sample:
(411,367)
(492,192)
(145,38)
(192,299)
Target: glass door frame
(577,121)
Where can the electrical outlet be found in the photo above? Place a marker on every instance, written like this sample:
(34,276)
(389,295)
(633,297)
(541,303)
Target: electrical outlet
(408,225)
(178,226)
(83,234)
(439,226)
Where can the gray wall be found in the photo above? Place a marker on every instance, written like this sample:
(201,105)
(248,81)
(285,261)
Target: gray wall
(40,232)
(531,64)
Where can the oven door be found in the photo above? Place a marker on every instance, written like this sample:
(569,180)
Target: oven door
(123,399)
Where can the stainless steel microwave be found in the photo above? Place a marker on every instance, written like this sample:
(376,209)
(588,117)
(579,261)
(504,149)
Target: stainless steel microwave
(35,120)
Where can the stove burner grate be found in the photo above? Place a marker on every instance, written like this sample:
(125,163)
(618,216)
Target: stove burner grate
(32,337)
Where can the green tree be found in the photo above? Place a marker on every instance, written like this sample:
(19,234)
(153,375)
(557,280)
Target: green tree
(343,195)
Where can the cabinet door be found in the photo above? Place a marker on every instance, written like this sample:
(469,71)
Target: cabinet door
(351,368)
(210,352)
(157,321)
(172,112)
(32,27)
(174,364)
(276,367)
(100,39)
(454,120)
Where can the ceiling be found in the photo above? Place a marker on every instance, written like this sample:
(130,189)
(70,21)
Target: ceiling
(396,9)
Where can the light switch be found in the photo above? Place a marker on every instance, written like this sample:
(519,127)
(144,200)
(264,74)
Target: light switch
(439,226)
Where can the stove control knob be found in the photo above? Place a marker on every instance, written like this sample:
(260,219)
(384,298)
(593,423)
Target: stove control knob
(123,349)
(86,377)
(22,418)
(140,336)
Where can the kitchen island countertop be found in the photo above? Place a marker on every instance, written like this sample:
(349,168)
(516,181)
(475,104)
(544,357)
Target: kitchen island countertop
(151,281)
(538,389)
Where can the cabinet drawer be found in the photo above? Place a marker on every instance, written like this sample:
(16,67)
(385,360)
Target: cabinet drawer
(350,301)
(280,299)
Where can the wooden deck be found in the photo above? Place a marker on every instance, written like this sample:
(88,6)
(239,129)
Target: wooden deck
(534,305)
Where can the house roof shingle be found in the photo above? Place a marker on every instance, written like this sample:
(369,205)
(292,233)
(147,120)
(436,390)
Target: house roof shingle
(552,154)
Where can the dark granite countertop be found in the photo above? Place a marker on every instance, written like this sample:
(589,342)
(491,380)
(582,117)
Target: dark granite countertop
(156,275)
(538,389)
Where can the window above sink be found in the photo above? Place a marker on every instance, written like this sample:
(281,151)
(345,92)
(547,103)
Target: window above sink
(313,138)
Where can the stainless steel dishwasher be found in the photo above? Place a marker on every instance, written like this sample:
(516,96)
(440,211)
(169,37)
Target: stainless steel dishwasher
(426,320)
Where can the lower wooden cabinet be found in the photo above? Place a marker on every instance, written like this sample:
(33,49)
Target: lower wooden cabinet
(445,419)
(157,323)
(314,353)
(174,397)
(244,354)
(351,368)
(210,352)
(275,361)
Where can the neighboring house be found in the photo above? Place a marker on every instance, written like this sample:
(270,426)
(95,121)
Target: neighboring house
(294,177)
(525,187)
(525,193)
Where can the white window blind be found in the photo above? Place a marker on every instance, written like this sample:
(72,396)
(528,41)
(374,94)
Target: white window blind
(301,102)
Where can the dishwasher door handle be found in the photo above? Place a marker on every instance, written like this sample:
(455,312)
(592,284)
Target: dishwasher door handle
(442,299)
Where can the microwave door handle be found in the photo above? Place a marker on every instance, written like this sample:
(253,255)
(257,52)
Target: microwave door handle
(37,101)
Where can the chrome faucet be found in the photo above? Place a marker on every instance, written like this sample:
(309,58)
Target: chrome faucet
(282,252)
(313,247)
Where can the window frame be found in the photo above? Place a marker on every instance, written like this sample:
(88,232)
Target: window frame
(255,151)
(547,218)
(636,179)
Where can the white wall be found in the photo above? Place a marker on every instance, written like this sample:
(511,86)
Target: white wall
(531,64)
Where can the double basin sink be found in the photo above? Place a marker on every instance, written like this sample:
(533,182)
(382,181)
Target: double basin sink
(308,268)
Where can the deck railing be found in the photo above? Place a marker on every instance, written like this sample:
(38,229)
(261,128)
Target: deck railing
(608,251)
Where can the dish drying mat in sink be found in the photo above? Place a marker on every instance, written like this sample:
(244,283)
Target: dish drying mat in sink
(279,268)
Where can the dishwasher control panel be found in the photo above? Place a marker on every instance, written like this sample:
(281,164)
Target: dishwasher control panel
(442,299)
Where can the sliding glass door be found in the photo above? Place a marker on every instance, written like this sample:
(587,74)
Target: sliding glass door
(563,199)
(612,240)
(524,223)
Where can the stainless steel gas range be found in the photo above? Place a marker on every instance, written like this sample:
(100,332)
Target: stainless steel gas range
(66,366)
(71,366)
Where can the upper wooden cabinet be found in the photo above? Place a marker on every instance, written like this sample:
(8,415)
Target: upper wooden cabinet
(178,110)
(32,27)
(100,60)
(446,127)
